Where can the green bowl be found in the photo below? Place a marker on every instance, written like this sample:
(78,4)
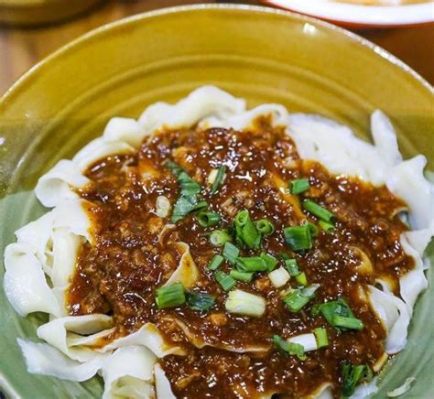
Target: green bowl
(261,54)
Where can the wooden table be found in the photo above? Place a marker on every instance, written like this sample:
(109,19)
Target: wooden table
(22,48)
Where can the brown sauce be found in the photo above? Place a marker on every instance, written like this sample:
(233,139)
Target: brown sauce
(130,259)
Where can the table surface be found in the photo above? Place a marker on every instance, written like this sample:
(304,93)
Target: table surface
(21,48)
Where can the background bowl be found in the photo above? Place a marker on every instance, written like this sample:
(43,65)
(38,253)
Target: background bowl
(37,12)
(354,15)
(261,54)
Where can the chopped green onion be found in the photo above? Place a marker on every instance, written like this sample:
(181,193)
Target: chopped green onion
(200,301)
(299,186)
(289,347)
(270,260)
(350,323)
(252,264)
(352,375)
(221,171)
(321,337)
(319,211)
(292,266)
(225,281)
(170,296)
(313,229)
(246,231)
(241,276)
(298,298)
(215,263)
(265,227)
(230,252)
(244,303)
(338,314)
(188,201)
(218,238)
(325,226)
(279,277)
(299,238)
(207,218)
(301,279)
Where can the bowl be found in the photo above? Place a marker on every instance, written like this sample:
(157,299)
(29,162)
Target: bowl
(262,54)
(38,12)
(363,13)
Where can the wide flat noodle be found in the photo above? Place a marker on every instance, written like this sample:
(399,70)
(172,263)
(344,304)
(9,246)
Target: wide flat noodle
(203,102)
(128,373)
(25,285)
(162,384)
(125,130)
(186,272)
(65,333)
(46,360)
(148,336)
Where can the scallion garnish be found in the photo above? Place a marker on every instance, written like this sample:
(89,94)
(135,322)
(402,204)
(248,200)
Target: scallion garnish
(252,264)
(218,238)
(188,200)
(244,303)
(319,211)
(215,263)
(296,299)
(264,226)
(199,301)
(207,218)
(230,252)
(321,337)
(241,276)
(299,238)
(170,296)
(299,186)
(289,348)
(301,278)
(221,171)
(270,260)
(292,266)
(313,229)
(246,231)
(279,277)
(352,375)
(338,314)
(225,281)
(325,226)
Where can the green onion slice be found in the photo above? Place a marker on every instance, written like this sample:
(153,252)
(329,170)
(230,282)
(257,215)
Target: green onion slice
(352,375)
(246,231)
(296,299)
(292,266)
(252,264)
(289,348)
(325,226)
(218,238)
(301,279)
(299,186)
(241,276)
(321,337)
(339,315)
(170,296)
(245,303)
(265,227)
(225,281)
(221,172)
(231,252)
(270,261)
(207,218)
(200,301)
(299,238)
(319,211)
(215,263)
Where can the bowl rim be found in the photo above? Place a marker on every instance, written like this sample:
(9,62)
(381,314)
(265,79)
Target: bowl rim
(358,14)
(357,39)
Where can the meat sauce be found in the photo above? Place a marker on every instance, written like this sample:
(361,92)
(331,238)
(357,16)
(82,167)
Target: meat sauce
(134,253)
